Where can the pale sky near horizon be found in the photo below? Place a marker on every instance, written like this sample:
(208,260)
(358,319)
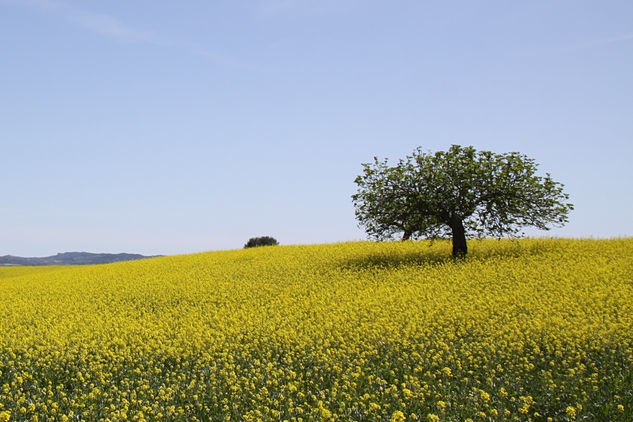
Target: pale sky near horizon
(179,127)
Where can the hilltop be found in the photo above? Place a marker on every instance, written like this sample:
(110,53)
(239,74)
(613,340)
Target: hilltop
(70,258)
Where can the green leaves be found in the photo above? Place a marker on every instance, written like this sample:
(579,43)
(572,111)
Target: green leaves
(428,194)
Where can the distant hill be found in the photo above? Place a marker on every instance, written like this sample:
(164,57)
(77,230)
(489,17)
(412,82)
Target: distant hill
(70,258)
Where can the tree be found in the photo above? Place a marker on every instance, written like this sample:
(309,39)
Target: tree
(457,193)
(261,241)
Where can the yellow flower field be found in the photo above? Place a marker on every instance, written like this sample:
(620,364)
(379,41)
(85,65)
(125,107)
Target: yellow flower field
(520,330)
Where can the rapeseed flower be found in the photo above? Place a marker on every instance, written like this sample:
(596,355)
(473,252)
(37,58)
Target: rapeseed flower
(351,331)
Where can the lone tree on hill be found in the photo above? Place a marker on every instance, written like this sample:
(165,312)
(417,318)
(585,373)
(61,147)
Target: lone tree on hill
(261,241)
(459,193)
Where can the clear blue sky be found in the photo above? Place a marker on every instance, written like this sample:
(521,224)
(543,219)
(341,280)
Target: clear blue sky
(177,127)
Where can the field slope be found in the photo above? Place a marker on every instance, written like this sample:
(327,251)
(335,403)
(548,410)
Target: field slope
(520,330)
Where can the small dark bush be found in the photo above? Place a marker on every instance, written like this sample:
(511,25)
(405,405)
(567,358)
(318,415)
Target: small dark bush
(261,241)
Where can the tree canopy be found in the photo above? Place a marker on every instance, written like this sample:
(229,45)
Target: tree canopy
(457,193)
(261,241)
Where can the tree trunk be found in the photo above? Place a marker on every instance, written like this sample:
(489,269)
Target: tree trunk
(406,235)
(459,239)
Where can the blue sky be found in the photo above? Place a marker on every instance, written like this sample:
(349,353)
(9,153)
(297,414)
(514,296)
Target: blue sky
(177,127)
